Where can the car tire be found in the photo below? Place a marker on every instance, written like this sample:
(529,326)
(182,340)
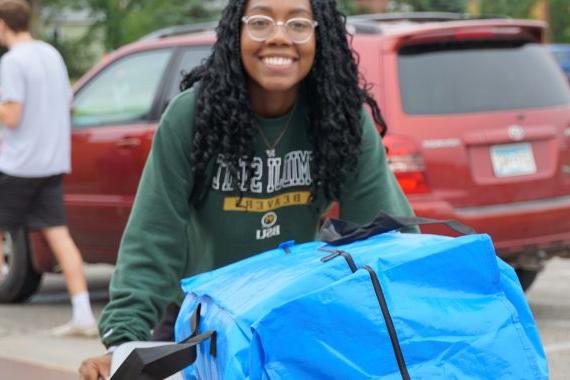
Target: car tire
(526,277)
(22,280)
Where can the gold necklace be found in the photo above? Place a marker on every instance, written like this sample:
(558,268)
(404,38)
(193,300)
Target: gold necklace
(270,151)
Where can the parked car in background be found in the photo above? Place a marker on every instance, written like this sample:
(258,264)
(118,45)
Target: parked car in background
(562,54)
(479,131)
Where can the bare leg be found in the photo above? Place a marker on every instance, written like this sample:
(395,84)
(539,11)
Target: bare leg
(71,263)
(68,257)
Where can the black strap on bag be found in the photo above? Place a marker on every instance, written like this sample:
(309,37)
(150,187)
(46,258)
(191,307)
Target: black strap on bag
(155,363)
(389,323)
(338,232)
(399,356)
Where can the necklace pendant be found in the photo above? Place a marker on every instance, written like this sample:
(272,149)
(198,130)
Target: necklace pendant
(270,153)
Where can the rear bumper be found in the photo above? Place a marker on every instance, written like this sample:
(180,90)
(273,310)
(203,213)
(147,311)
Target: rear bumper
(522,227)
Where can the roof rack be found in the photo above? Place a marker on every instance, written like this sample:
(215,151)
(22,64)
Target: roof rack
(419,16)
(357,26)
(180,30)
(411,16)
(371,23)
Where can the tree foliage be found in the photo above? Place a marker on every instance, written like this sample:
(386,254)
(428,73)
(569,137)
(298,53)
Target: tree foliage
(559,11)
(515,9)
(348,7)
(560,20)
(145,16)
(123,21)
(77,57)
(114,24)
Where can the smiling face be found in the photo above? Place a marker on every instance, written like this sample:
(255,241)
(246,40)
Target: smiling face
(277,65)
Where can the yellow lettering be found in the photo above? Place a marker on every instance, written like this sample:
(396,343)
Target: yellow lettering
(267,204)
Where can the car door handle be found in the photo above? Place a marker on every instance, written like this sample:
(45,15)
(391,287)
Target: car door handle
(129,142)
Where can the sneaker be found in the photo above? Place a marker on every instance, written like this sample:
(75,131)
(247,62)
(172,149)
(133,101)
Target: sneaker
(72,330)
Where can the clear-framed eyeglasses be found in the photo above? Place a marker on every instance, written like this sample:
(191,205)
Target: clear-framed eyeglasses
(260,28)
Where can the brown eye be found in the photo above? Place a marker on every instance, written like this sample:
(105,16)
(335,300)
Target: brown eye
(259,24)
(299,26)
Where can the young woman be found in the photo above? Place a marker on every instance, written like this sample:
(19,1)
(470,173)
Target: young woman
(269,131)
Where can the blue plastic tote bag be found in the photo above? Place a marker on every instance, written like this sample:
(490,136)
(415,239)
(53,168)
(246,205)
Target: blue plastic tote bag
(365,303)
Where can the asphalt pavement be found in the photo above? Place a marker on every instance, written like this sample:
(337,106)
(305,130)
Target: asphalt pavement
(26,346)
(549,299)
(15,369)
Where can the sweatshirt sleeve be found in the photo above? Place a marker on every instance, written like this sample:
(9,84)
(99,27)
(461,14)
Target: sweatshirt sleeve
(154,249)
(373,187)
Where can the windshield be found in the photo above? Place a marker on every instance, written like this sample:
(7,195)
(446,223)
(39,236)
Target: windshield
(479,76)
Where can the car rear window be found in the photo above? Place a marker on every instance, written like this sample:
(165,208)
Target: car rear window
(479,76)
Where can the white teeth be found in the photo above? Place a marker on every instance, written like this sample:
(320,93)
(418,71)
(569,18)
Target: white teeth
(277,61)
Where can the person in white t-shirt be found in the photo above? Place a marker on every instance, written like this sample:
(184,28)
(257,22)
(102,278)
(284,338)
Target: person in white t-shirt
(35,99)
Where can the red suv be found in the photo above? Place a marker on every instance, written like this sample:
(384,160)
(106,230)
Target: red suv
(479,131)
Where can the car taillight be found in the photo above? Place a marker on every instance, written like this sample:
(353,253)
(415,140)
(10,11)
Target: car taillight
(483,33)
(407,164)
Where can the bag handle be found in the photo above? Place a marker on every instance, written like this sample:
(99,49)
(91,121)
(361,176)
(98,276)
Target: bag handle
(154,363)
(194,323)
(338,232)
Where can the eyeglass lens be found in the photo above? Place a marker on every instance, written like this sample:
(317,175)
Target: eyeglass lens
(261,28)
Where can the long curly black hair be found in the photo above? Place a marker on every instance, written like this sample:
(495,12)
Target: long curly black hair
(224,119)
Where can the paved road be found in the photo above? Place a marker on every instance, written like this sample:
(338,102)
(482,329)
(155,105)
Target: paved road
(26,348)
(549,299)
(24,330)
(16,370)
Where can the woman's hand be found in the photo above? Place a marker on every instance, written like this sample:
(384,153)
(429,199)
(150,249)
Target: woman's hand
(95,368)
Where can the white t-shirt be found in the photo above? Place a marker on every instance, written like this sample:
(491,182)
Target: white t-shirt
(33,73)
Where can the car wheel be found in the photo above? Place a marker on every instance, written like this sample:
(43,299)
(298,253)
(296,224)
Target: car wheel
(22,280)
(526,277)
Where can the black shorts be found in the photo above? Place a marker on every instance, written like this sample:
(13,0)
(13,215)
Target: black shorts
(33,202)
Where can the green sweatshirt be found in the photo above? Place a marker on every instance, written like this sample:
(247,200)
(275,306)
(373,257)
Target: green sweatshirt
(169,238)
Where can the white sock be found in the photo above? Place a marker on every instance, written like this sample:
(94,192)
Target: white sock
(82,313)
(4,269)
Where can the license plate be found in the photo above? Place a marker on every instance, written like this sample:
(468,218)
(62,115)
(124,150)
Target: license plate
(513,160)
